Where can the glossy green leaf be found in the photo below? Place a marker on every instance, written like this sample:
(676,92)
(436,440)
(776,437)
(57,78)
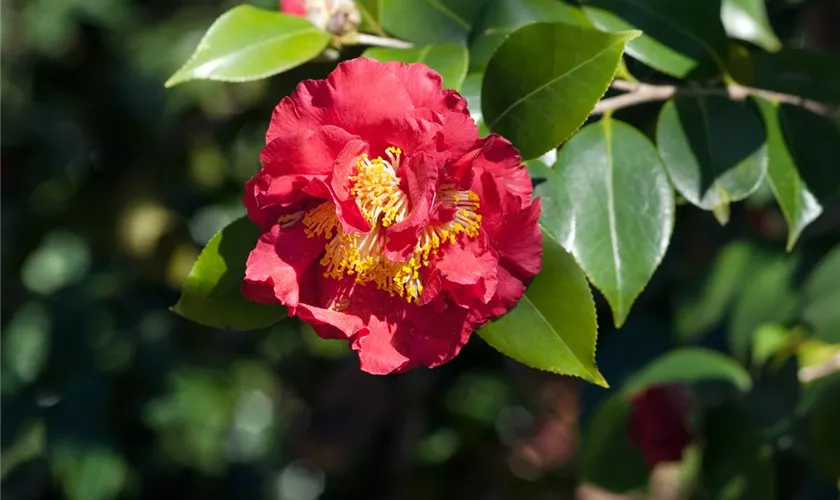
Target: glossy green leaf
(553,327)
(609,459)
(246,43)
(430,21)
(703,309)
(798,205)
(623,209)
(680,38)
(688,365)
(536,91)
(502,17)
(471,90)
(211,295)
(747,20)
(557,218)
(768,296)
(371,12)
(821,298)
(714,150)
(450,60)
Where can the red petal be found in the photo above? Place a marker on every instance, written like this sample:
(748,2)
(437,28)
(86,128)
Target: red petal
(293,7)
(467,271)
(498,157)
(282,264)
(419,181)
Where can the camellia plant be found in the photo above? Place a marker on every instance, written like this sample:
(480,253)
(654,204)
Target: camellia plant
(394,208)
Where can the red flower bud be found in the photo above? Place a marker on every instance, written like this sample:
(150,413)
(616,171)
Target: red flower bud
(659,423)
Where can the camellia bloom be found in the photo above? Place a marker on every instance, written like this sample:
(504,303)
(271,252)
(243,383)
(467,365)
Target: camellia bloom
(387,222)
(336,16)
(659,423)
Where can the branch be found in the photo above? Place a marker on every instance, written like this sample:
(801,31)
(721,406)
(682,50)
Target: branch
(638,93)
(377,41)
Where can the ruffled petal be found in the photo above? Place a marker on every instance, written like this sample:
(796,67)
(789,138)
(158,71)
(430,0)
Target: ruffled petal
(281,264)
(497,156)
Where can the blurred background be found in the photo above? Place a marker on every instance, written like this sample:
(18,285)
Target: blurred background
(112,184)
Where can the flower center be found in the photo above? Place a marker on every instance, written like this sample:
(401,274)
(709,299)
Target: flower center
(376,189)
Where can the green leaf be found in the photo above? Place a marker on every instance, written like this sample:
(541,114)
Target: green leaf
(553,327)
(536,91)
(689,365)
(430,21)
(812,141)
(246,43)
(714,150)
(471,90)
(680,38)
(798,205)
(557,217)
(747,20)
(702,311)
(736,463)
(503,17)
(371,11)
(211,295)
(821,298)
(812,75)
(450,60)
(623,209)
(609,459)
(767,297)
(89,474)
(26,345)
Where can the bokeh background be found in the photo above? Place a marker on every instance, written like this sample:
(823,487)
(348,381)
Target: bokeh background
(111,184)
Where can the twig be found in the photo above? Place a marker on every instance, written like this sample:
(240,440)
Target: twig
(638,93)
(377,41)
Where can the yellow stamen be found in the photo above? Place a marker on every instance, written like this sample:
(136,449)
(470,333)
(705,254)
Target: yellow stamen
(376,189)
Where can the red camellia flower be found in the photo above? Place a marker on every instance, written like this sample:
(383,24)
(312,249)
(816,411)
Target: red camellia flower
(659,423)
(387,222)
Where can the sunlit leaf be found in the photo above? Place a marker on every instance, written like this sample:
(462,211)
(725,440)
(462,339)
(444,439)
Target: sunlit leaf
(371,12)
(553,327)
(623,209)
(714,150)
(798,205)
(537,91)
(211,294)
(747,20)
(450,60)
(246,43)
(558,217)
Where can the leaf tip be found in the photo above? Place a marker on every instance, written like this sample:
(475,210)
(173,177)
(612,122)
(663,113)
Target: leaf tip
(174,80)
(598,379)
(631,34)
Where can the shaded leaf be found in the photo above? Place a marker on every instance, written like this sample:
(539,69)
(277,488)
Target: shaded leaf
(747,20)
(371,11)
(536,91)
(680,38)
(91,473)
(798,205)
(821,407)
(689,365)
(609,459)
(698,313)
(812,142)
(450,60)
(211,294)
(813,75)
(821,298)
(502,17)
(623,209)
(246,43)
(557,218)
(714,150)
(767,297)
(736,463)
(471,90)
(430,21)
(553,326)
(26,345)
